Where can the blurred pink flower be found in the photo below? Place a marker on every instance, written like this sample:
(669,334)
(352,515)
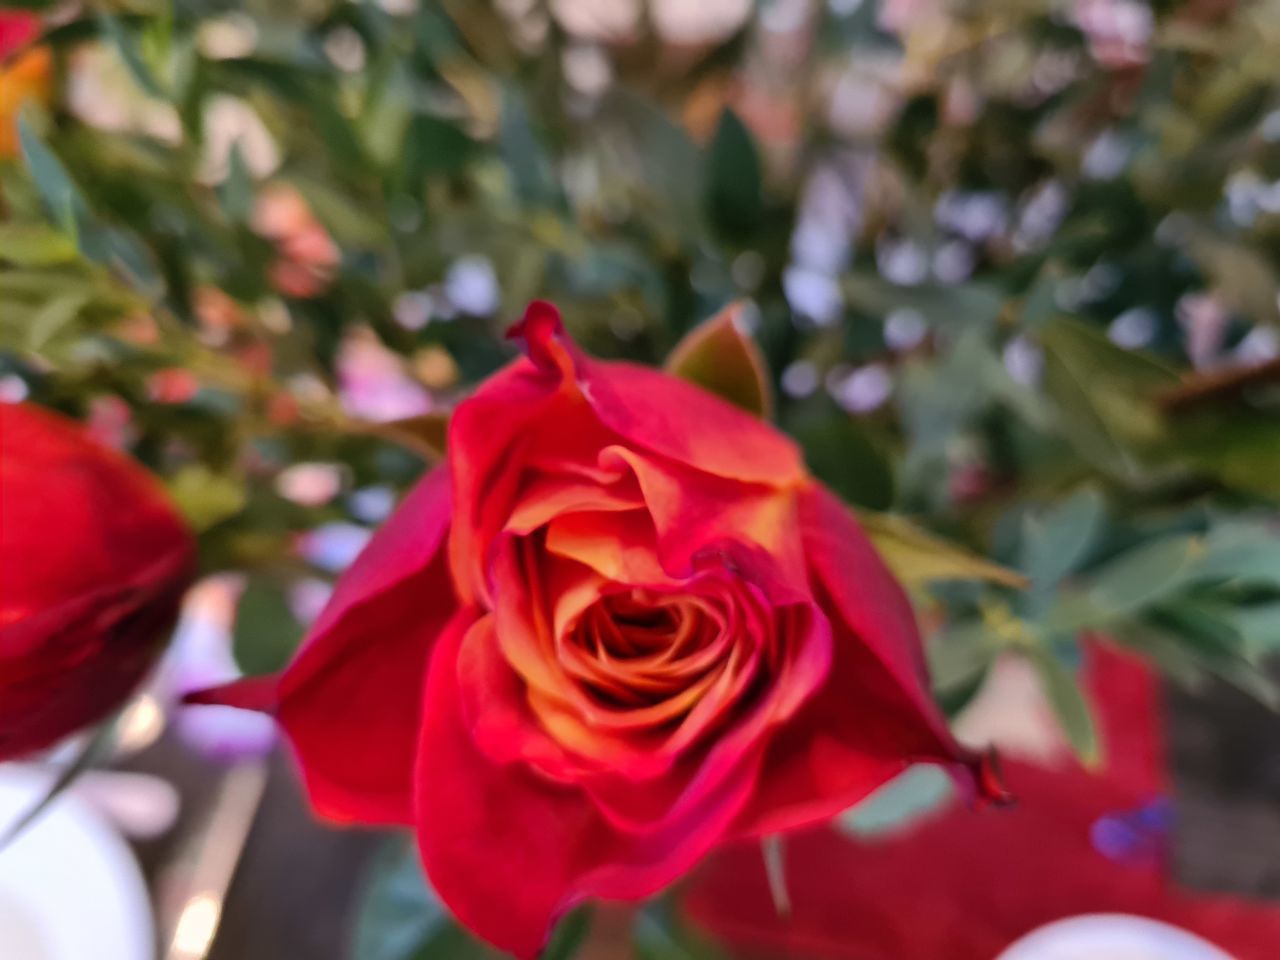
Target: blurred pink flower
(110,422)
(1119,31)
(373,383)
(218,313)
(307,255)
(174,385)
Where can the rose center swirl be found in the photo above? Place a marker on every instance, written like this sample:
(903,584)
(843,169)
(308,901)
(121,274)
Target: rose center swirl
(645,659)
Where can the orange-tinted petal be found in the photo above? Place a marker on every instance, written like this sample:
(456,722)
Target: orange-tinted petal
(510,851)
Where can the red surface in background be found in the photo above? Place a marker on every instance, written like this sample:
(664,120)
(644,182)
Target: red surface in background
(966,884)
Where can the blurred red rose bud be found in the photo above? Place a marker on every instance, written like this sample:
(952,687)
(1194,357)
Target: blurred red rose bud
(93,565)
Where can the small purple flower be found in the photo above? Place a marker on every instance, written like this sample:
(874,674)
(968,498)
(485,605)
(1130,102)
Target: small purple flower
(1134,836)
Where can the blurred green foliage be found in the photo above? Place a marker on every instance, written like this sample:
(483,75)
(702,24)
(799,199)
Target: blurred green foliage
(1013,267)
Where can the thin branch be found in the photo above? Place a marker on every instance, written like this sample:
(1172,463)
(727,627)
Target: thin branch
(1225,384)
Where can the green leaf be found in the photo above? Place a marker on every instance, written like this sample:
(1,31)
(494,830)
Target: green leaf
(266,631)
(350,222)
(569,936)
(206,498)
(526,160)
(1258,625)
(1104,398)
(1066,698)
(841,452)
(660,935)
(1054,544)
(1211,643)
(942,399)
(130,53)
(433,146)
(735,195)
(669,166)
(718,356)
(960,656)
(235,193)
(900,803)
(1240,446)
(400,918)
(67,206)
(1141,576)
(35,245)
(60,194)
(1245,551)
(53,317)
(950,305)
(916,556)
(1241,275)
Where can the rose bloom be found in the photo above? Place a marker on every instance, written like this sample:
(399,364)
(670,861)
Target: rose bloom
(93,565)
(621,625)
(23,75)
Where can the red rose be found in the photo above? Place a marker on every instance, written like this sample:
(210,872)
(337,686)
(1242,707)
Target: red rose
(621,626)
(93,564)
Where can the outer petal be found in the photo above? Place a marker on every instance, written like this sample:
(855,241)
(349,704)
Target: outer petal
(77,518)
(559,406)
(93,564)
(73,663)
(856,732)
(351,699)
(866,597)
(875,714)
(510,851)
(488,437)
(656,411)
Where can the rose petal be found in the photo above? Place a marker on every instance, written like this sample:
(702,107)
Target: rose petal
(78,517)
(691,509)
(856,733)
(865,595)
(71,664)
(510,851)
(403,547)
(349,701)
(656,411)
(519,422)
(560,405)
(874,715)
(93,564)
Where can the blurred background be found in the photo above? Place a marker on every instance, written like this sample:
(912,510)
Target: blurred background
(1014,266)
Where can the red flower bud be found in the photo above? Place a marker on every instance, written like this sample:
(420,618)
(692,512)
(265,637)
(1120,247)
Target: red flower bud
(93,565)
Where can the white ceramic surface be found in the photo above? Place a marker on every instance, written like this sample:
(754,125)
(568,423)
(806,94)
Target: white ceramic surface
(1111,936)
(70,888)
